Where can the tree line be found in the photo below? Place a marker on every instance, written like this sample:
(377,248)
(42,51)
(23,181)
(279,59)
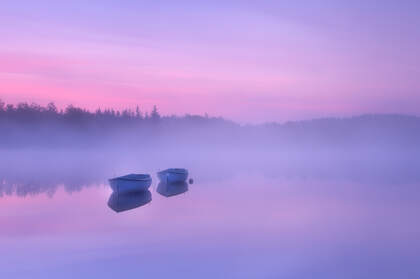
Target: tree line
(26,111)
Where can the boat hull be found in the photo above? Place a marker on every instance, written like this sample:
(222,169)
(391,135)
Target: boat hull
(126,186)
(168,176)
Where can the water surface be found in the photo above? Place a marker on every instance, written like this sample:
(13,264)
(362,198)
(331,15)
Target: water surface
(233,222)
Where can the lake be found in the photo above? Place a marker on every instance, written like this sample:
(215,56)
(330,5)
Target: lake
(263,221)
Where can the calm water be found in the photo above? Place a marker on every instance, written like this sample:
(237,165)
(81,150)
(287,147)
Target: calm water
(231,223)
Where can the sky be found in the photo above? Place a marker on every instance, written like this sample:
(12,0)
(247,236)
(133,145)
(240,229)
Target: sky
(249,61)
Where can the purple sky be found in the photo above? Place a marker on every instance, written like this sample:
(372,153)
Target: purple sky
(250,61)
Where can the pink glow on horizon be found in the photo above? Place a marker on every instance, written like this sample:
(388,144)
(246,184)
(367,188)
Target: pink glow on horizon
(249,66)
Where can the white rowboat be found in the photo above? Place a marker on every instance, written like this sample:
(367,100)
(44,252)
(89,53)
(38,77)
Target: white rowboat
(131,183)
(173,175)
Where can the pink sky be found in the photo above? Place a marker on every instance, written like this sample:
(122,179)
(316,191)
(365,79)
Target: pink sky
(249,64)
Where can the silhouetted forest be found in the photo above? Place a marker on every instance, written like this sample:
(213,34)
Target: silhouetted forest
(32,125)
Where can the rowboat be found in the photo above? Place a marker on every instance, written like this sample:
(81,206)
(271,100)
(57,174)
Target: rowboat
(130,183)
(173,175)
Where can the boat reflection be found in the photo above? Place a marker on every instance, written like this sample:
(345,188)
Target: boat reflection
(172,189)
(120,202)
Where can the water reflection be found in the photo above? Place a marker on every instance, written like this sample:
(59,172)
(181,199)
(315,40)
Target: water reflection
(172,189)
(28,185)
(24,175)
(295,228)
(120,202)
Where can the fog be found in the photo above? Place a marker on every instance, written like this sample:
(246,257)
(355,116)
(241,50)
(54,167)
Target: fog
(309,199)
(43,148)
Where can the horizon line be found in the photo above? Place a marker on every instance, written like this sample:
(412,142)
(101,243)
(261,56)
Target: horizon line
(61,109)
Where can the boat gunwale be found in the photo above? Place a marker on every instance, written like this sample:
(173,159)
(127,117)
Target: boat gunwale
(177,171)
(146,177)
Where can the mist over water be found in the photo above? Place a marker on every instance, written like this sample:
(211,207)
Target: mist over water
(328,198)
(95,185)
